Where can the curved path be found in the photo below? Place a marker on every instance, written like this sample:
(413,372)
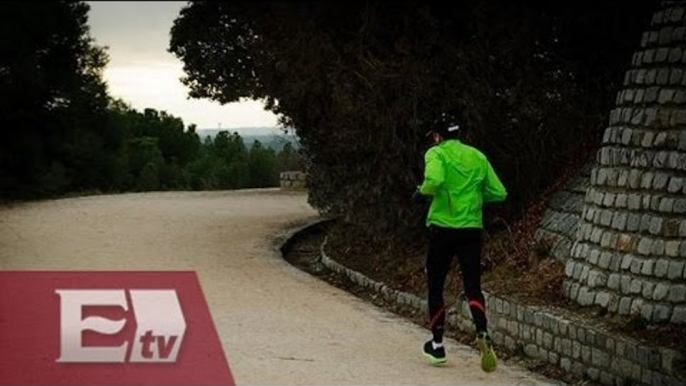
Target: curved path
(277,324)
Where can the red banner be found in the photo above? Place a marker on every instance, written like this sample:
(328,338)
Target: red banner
(108,328)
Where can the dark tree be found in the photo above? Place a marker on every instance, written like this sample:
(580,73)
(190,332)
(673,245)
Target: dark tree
(52,101)
(361,83)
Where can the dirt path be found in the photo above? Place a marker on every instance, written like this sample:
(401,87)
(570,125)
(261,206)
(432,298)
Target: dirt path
(278,325)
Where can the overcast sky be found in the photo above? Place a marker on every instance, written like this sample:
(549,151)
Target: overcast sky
(144,74)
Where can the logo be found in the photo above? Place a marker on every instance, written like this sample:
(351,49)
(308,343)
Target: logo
(108,328)
(157,314)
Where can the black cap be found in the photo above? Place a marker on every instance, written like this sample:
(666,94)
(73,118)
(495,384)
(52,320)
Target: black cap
(444,124)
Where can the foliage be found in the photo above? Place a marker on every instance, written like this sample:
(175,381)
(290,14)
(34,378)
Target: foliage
(361,82)
(64,133)
(52,100)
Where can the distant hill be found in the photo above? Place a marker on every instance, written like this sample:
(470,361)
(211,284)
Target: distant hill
(243,131)
(275,142)
(272,137)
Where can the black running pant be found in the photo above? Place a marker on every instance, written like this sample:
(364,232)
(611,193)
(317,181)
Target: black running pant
(444,244)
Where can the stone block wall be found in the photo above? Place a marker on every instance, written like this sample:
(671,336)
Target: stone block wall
(558,228)
(293,180)
(630,248)
(574,345)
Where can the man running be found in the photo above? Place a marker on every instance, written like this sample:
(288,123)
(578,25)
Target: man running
(459,179)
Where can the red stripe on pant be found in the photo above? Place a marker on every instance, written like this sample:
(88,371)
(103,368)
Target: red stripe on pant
(477,304)
(438,315)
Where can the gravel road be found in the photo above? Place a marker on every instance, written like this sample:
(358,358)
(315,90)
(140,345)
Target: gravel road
(277,324)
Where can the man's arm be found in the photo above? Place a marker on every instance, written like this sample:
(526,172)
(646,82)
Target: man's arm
(434,174)
(493,189)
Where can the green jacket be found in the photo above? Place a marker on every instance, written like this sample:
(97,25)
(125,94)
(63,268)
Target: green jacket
(460,179)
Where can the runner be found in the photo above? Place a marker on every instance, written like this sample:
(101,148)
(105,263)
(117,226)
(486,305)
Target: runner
(459,179)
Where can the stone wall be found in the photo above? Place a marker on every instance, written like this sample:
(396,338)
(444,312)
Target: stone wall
(560,223)
(293,180)
(630,247)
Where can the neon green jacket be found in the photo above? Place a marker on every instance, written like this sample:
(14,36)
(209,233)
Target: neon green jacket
(460,179)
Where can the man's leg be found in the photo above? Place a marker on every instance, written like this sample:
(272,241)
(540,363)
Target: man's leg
(469,255)
(437,266)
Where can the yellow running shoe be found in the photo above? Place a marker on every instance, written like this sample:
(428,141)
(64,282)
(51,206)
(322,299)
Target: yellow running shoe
(489,361)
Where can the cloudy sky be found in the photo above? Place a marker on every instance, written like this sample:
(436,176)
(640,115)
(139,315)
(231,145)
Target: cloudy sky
(144,74)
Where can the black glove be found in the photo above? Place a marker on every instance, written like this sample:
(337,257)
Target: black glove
(419,198)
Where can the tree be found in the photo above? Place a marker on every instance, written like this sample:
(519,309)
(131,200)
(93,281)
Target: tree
(288,159)
(261,166)
(52,100)
(362,82)
(63,133)
(148,178)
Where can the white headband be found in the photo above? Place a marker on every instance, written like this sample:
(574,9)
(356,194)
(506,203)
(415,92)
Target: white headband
(454,128)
